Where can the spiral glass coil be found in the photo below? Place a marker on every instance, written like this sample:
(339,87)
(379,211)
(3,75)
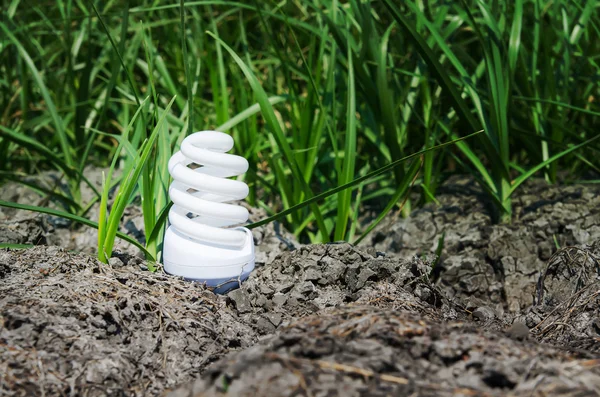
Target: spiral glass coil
(201,196)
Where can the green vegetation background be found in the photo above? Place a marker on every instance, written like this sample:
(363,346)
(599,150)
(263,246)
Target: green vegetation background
(316,95)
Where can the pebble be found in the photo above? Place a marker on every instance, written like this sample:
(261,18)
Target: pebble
(115,262)
(279,299)
(518,331)
(265,326)
(240,300)
(484,313)
(275,318)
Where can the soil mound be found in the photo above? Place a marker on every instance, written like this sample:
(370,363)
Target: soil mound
(485,264)
(316,277)
(71,325)
(507,310)
(567,311)
(368,351)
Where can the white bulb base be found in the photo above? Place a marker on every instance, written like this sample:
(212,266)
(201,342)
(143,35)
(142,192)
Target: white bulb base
(218,266)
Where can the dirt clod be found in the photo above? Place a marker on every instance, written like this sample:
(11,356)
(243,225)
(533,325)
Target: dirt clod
(367,351)
(505,311)
(69,323)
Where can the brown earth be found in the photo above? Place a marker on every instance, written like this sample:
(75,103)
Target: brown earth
(504,312)
(494,265)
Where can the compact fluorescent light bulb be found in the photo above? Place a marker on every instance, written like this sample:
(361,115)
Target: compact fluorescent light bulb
(198,244)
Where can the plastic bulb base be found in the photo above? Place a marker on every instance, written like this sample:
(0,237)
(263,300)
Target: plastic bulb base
(220,267)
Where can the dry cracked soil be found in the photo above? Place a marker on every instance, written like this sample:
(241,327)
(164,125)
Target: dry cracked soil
(506,310)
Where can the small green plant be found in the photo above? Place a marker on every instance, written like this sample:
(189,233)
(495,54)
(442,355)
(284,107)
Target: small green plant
(109,220)
(439,250)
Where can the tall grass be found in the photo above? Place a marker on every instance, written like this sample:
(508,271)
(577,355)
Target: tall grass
(485,96)
(316,94)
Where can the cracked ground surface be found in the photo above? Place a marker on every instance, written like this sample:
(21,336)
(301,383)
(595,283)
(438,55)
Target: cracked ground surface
(491,264)
(505,312)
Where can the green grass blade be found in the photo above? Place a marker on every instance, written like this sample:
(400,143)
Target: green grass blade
(35,145)
(514,43)
(401,191)
(102,216)
(355,182)
(71,217)
(271,119)
(160,222)
(116,49)
(58,123)
(248,112)
(559,104)
(523,177)
(349,161)
(129,184)
(188,75)
(15,246)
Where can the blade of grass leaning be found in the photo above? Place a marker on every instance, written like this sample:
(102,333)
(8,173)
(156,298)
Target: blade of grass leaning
(271,119)
(442,76)
(72,217)
(106,184)
(55,194)
(12,8)
(523,177)
(243,5)
(16,246)
(349,161)
(122,140)
(410,177)
(129,184)
(559,104)
(188,75)
(35,145)
(116,49)
(57,121)
(247,113)
(368,176)
(161,220)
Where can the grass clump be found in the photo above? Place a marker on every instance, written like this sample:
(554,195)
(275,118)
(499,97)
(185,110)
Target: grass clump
(320,97)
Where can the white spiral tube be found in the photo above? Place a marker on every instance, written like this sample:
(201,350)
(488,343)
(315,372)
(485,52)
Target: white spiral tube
(205,191)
